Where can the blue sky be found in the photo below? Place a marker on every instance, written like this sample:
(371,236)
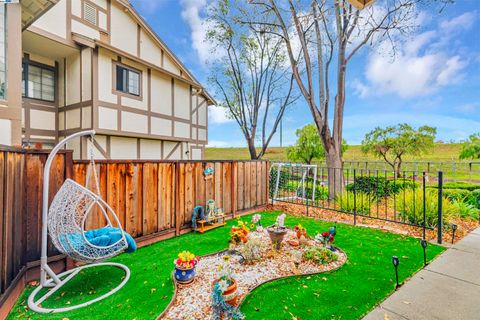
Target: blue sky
(434,80)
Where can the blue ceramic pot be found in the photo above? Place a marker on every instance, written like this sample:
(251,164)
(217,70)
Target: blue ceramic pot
(184,276)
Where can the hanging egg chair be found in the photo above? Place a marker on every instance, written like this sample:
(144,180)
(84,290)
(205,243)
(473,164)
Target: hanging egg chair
(65,223)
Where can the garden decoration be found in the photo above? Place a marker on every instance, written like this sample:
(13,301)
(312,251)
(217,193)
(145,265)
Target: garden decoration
(277,231)
(198,214)
(185,264)
(213,218)
(65,222)
(256,220)
(250,264)
(300,231)
(208,173)
(239,232)
(222,309)
(226,283)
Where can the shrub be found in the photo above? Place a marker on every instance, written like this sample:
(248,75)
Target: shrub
(346,202)
(461,185)
(321,193)
(319,255)
(252,250)
(473,198)
(380,187)
(466,210)
(411,210)
(455,194)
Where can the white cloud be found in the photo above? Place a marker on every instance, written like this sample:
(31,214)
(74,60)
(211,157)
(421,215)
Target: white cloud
(193,13)
(218,115)
(422,65)
(464,21)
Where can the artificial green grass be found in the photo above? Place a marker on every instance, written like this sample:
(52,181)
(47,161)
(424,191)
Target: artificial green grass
(348,293)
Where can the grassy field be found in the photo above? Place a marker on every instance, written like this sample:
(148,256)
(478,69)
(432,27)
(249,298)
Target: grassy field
(443,158)
(442,152)
(347,293)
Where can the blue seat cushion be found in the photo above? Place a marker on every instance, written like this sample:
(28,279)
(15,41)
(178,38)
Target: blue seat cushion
(107,236)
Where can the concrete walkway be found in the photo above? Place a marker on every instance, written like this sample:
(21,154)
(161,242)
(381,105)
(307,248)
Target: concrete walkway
(449,288)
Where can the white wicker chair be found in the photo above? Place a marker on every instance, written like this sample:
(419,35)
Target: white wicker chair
(65,223)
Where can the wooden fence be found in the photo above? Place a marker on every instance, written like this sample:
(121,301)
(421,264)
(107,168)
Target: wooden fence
(153,199)
(159,197)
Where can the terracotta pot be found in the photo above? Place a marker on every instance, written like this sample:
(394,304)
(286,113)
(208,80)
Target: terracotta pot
(230,295)
(277,235)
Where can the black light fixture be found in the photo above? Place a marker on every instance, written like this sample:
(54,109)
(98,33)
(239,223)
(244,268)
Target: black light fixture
(454,228)
(424,246)
(396,262)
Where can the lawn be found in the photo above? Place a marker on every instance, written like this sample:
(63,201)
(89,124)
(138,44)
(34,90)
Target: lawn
(446,152)
(348,293)
(444,158)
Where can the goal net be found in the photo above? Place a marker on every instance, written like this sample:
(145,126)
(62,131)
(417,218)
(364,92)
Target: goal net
(292,182)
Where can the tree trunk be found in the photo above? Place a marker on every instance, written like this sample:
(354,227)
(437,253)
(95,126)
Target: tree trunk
(335,172)
(251,149)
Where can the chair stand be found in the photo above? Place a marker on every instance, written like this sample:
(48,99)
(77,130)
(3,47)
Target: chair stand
(64,278)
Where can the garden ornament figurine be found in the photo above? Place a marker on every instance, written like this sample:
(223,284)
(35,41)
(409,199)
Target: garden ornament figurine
(280,222)
(208,173)
(198,214)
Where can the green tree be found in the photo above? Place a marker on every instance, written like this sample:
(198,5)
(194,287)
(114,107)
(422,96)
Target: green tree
(471,147)
(393,143)
(308,146)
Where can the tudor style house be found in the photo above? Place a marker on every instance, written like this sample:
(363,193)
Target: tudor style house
(72,65)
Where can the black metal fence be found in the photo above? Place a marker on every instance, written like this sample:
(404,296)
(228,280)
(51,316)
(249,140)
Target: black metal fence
(411,198)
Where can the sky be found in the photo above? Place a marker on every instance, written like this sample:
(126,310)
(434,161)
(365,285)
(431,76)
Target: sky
(434,79)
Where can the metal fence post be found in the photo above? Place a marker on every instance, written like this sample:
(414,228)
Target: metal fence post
(354,196)
(440,201)
(424,206)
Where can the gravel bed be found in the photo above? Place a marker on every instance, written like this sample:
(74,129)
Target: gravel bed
(194,301)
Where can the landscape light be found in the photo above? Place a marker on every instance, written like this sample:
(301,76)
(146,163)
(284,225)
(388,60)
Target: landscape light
(396,262)
(424,246)
(454,228)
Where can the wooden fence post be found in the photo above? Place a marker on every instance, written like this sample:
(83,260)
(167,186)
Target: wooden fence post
(176,189)
(233,189)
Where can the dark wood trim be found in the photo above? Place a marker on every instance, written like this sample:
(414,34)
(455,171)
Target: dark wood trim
(144,62)
(114,81)
(139,33)
(173,106)
(121,107)
(173,151)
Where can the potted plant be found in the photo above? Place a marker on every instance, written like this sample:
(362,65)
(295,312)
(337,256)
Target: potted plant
(256,222)
(239,232)
(185,267)
(226,283)
(301,231)
(277,231)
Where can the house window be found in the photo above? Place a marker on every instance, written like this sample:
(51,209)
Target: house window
(38,82)
(3,58)
(90,13)
(128,80)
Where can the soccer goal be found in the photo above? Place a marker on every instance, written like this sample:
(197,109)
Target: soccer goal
(292,181)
